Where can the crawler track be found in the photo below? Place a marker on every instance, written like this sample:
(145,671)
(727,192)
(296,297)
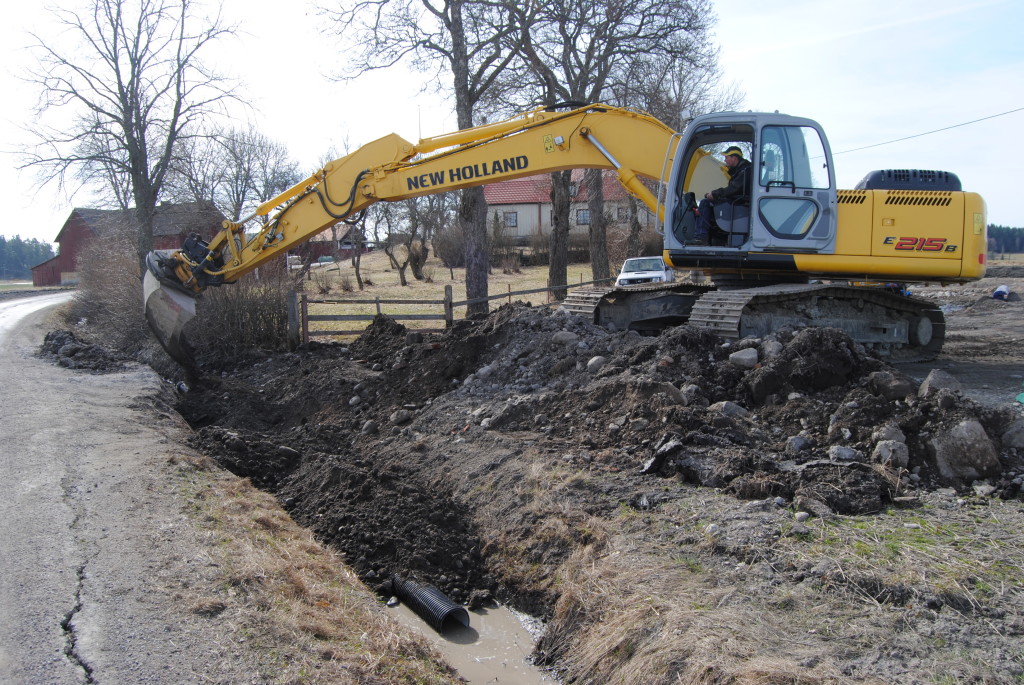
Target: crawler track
(894,326)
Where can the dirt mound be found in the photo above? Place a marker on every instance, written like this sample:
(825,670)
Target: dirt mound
(348,436)
(64,348)
(488,459)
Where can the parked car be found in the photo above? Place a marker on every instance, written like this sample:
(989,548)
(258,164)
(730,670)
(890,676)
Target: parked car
(645,270)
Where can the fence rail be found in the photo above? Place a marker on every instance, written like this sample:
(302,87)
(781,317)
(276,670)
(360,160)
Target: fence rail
(299,316)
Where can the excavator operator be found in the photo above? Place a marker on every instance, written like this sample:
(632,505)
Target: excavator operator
(736,192)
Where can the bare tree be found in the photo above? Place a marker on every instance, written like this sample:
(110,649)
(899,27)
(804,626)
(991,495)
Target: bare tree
(468,39)
(197,171)
(101,175)
(273,170)
(395,233)
(132,78)
(576,51)
(436,212)
(236,169)
(675,89)
(256,170)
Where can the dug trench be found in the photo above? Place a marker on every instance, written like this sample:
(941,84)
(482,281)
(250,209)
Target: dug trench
(675,507)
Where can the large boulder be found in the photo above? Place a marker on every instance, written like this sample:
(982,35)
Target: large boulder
(936,381)
(890,386)
(963,453)
(1013,436)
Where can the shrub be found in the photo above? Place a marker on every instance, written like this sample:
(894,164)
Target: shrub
(450,246)
(109,297)
(240,317)
(320,279)
(579,248)
(540,249)
(252,313)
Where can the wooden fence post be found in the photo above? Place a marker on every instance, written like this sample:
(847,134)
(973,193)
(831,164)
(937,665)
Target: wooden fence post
(449,316)
(294,337)
(305,319)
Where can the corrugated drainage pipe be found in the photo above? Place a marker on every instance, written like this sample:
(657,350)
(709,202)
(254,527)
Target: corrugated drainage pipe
(432,605)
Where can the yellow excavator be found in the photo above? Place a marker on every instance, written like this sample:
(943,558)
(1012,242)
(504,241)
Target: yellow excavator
(794,252)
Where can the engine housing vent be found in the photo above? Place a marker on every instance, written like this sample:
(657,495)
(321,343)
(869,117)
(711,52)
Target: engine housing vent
(910,179)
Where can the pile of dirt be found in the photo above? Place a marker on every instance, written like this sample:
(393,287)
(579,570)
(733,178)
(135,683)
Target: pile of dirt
(67,350)
(352,438)
(486,460)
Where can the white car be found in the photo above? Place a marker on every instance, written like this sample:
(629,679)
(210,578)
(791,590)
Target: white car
(645,270)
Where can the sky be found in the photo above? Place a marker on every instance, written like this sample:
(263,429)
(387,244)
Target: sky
(870,72)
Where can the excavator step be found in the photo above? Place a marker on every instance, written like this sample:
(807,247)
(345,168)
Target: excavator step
(584,301)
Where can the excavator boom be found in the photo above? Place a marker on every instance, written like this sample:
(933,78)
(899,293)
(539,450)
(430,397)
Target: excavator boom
(633,144)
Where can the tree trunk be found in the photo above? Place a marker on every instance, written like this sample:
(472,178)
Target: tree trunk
(598,226)
(473,216)
(558,261)
(418,254)
(357,254)
(633,244)
(145,207)
(472,208)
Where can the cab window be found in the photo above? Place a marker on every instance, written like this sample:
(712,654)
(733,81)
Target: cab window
(794,157)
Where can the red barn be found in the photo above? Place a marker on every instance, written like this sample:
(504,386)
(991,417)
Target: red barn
(172,224)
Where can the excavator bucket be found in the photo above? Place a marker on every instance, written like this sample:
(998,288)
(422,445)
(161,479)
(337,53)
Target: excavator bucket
(168,309)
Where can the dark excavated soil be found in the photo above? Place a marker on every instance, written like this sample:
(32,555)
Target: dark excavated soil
(375,445)
(483,460)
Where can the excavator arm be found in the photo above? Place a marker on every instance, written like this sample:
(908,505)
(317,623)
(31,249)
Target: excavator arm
(390,169)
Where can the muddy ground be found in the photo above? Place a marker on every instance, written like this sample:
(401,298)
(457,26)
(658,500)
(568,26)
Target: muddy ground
(678,509)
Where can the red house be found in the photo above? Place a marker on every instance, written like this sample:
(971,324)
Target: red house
(172,224)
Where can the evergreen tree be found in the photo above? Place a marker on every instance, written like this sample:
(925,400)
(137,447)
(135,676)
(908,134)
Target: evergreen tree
(17,257)
(1005,239)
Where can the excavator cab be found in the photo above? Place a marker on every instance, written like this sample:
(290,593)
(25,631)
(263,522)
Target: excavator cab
(792,205)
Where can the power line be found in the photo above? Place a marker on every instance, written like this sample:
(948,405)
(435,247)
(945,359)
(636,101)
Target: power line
(928,133)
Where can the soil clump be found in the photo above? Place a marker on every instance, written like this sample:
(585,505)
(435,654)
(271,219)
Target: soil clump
(66,349)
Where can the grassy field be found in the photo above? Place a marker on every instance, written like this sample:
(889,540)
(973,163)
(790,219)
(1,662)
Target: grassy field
(337,281)
(15,285)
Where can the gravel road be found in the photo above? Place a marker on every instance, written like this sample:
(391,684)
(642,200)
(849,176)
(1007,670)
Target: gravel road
(97,558)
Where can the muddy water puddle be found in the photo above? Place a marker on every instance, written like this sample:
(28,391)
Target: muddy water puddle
(495,648)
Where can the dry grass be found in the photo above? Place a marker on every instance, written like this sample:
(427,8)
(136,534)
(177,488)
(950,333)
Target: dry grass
(634,614)
(294,601)
(331,282)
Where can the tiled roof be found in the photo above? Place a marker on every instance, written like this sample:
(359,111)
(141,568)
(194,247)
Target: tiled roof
(528,190)
(537,189)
